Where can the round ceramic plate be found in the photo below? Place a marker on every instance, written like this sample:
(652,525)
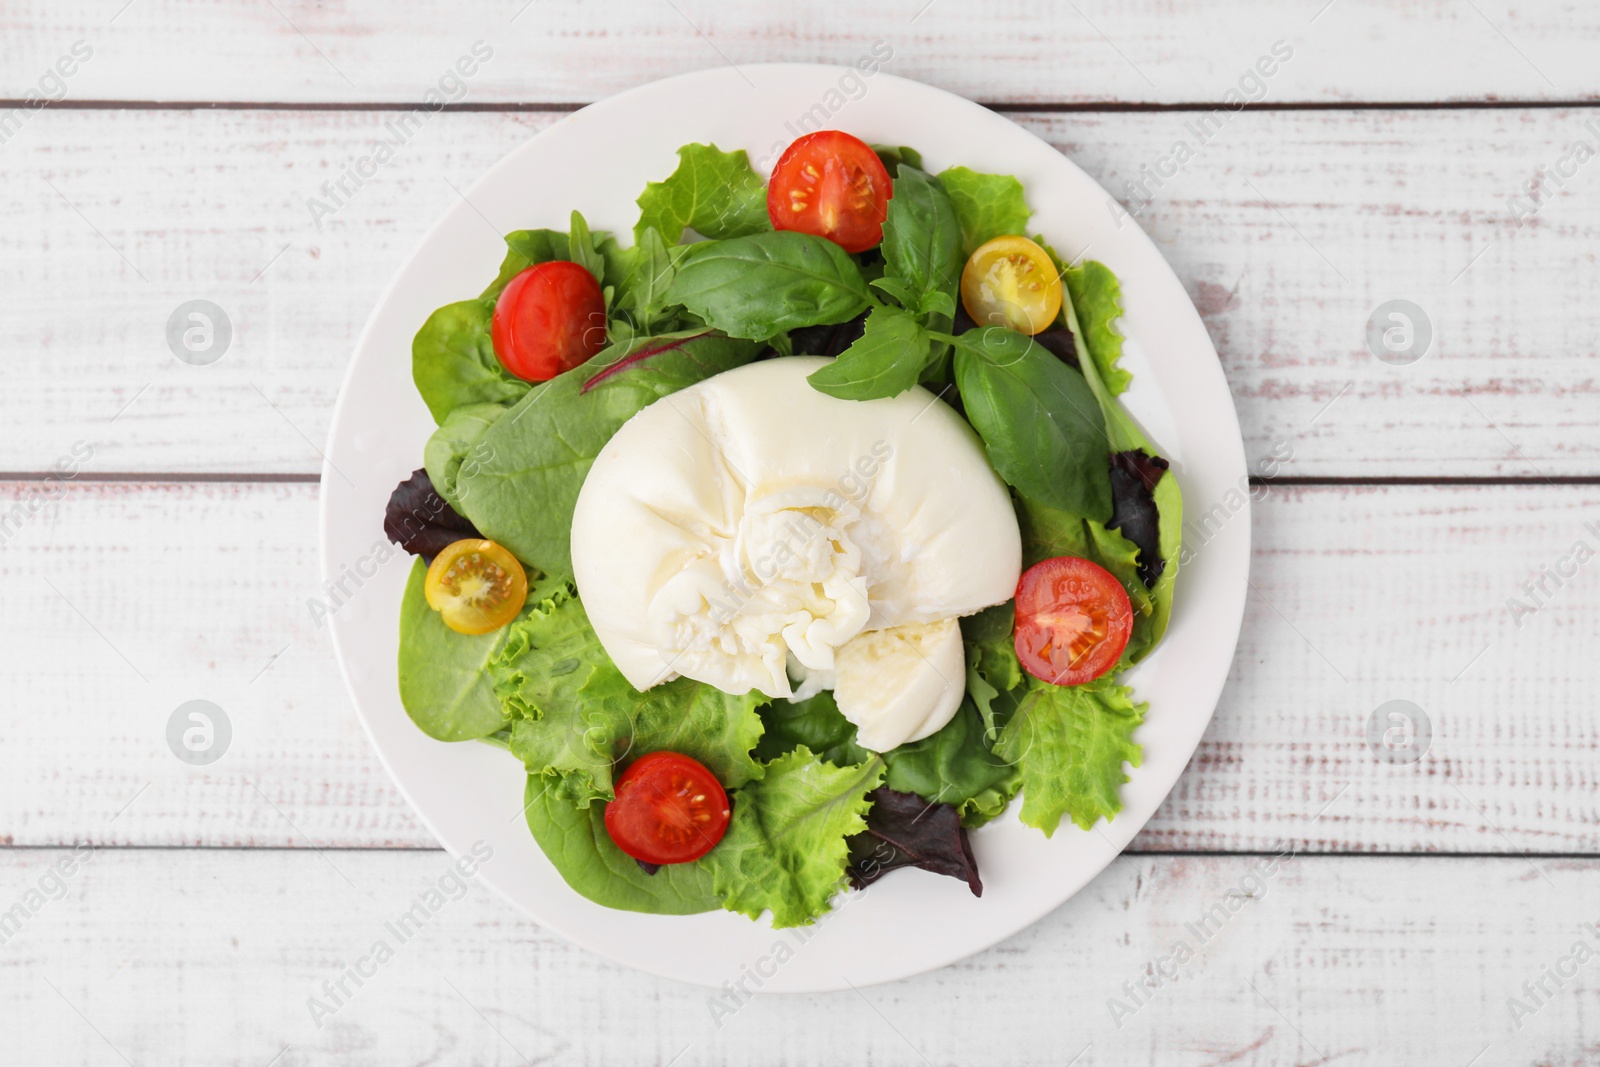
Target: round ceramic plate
(597,160)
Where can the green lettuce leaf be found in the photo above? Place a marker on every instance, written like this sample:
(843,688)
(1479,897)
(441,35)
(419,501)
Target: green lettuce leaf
(987,205)
(537,454)
(524,248)
(886,360)
(1068,744)
(453,361)
(577,844)
(445,686)
(785,849)
(760,286)
(715,193)
(575,716)
(1097,299)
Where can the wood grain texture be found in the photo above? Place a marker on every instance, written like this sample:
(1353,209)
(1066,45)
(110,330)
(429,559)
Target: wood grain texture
(210,958)
(1017,51)
(141,597)
(1288,229)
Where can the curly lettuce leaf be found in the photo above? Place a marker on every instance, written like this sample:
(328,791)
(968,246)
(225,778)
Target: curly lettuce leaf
(575,717)
(816,723)
(1097,299)
(987,205)
(1069,744)
(715,193)
(785,850)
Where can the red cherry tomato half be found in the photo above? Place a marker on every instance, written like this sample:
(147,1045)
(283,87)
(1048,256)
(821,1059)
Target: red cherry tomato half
(669,809)
(549,319)
(1073,620)
(832,185)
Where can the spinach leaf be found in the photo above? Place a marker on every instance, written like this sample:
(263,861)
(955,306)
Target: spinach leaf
(524,248)
(444,685)
(577,844)
(886,360)
(1042,430)
(922,238)
(756,287)
(1069,744)
(453,360)
(955,765)
(454,445)
(817,723)
(537,454)
(715,193)
(785,849)
(988,205)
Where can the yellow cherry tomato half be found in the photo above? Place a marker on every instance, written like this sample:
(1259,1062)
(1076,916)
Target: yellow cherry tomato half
(477,586)
(1011,282)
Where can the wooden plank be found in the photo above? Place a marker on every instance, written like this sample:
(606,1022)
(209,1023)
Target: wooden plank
(201,957)
(1288,228)
(143,597)
(1135,51)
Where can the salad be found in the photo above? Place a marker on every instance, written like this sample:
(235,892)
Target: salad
(793,539)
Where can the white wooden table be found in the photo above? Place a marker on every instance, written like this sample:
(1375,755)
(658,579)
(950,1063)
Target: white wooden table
(1409,505)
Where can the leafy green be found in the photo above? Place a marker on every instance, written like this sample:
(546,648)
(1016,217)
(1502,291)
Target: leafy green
(642,288)
(785,849)
(581,248)
(575,715)
(537,454)
(454,445)
(922,238)
(886,360)
(453,361)
(1068,744)
(524,248)
(892,156)
(816,723)
(1097,299)
(1041,427)
(715,193)
(576,842)
(955,766)
(444,686)
(757,287)
(988,205)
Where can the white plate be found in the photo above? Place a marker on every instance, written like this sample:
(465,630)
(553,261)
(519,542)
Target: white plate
(597,160)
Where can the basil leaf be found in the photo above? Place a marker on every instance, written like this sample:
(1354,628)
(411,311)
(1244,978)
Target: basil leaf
(714,192)
(885,361)
(1040,425)
(922,236)
(988,205)
(755,287)
(453,361)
